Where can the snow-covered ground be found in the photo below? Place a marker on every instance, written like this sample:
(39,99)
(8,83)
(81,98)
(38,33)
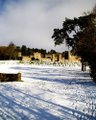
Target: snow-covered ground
(47,93)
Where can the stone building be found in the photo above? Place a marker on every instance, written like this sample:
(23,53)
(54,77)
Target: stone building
(68,56)
(37,56)
(26,58)
(57,57)
(19,54)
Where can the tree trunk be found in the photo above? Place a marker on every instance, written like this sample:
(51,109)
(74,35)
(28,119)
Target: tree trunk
(93,73)
(83,66)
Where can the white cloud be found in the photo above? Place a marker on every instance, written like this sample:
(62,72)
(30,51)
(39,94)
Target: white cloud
(32,22)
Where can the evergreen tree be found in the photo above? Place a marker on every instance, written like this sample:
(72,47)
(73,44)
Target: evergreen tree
(80,34)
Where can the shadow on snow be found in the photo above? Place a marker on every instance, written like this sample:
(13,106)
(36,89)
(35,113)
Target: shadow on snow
(15,109)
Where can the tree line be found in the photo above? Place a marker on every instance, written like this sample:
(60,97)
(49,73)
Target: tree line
(29,51)
(10,52)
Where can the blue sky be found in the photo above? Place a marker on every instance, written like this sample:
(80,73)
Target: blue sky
(31,22)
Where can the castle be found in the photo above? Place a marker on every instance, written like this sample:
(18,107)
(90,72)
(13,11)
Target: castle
(38,56)
(57,57)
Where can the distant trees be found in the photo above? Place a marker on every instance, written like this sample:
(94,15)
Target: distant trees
(52,51)
(80,34)
(42,51)
(11,51)
(24,50)
(29,51)
(2,53)
(8,52)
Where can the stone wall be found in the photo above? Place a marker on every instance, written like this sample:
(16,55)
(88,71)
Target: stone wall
(7,77)
(26,58)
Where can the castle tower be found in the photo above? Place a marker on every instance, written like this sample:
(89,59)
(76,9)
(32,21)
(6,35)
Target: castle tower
(60,57)
(37,55)
(53,57)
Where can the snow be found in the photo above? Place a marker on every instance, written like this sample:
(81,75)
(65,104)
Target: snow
(47,93)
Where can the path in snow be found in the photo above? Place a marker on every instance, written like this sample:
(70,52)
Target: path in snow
(47,93)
